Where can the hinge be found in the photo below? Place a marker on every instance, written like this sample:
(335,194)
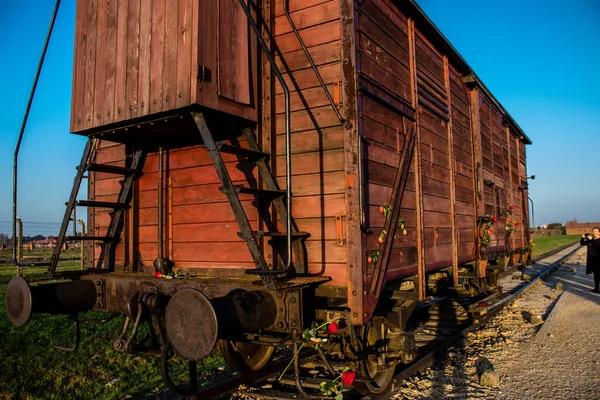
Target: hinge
(339,230)
(337,95)
(204,73)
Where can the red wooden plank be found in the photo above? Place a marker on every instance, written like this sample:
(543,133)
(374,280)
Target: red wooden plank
(312,36)
(320,13)
(120,108)
(79,62)
(313,184)
(133,54)
(110,65)
(157,55)
(90,62)
(313,140)
(305,120)
(144,59)
(100,71)
(310,163)
(184,50)
(321,54)
(169,82)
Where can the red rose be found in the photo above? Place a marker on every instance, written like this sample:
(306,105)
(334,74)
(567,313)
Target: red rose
(494,218)
(512,207)
(157,274)
(348,377)
(483,304)
(332,328)
(370,260)
(381,209)
(517,223)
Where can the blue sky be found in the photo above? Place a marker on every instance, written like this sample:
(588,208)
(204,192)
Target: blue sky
(539,58)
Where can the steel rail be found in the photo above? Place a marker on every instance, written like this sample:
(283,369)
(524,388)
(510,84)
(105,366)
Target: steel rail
(538,258)
(433,355)
(20,139)
(274,368)
(288,138)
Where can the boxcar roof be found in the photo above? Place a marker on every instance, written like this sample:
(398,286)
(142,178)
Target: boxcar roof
(427,26)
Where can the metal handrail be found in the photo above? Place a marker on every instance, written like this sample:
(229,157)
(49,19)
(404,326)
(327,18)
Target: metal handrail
(288,139)
(18,146)
(286,10)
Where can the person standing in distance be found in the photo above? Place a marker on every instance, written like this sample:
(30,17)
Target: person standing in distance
(593,255)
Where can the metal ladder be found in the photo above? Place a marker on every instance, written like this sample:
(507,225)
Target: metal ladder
(109,242)
(271,194)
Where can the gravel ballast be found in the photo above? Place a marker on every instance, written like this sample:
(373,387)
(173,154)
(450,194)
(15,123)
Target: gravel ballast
(555,357)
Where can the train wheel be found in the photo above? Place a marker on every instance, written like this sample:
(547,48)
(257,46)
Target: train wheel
(375,372)
(244,357)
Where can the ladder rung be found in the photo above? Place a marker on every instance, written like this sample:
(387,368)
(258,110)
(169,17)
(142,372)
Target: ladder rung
(241,151)
(111,169)
(258,192)
(101,238)
(101,204)
(283,235)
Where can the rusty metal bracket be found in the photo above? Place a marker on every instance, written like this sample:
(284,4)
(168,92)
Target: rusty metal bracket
(339,230)
(392,222)
(337,93)
(76,337)
(334,104)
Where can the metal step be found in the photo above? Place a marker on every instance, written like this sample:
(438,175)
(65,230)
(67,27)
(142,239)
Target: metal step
(283,235)
(101,204)
(271,194)
(111,169)
(241,151)
(302,281)
(100,238)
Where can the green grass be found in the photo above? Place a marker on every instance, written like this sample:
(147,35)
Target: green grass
(545,244)
(30,368)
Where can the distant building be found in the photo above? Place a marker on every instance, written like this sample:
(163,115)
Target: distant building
(579,228)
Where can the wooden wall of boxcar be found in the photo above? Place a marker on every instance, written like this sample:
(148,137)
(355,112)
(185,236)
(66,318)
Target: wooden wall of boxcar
(200,231)
(317,133)
(383,68)
(399,73)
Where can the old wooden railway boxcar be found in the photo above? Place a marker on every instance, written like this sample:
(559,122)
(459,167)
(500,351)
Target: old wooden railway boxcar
(388,70)
(403,177)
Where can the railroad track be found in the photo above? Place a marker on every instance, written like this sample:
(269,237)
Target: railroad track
(439,324)
(431,352)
